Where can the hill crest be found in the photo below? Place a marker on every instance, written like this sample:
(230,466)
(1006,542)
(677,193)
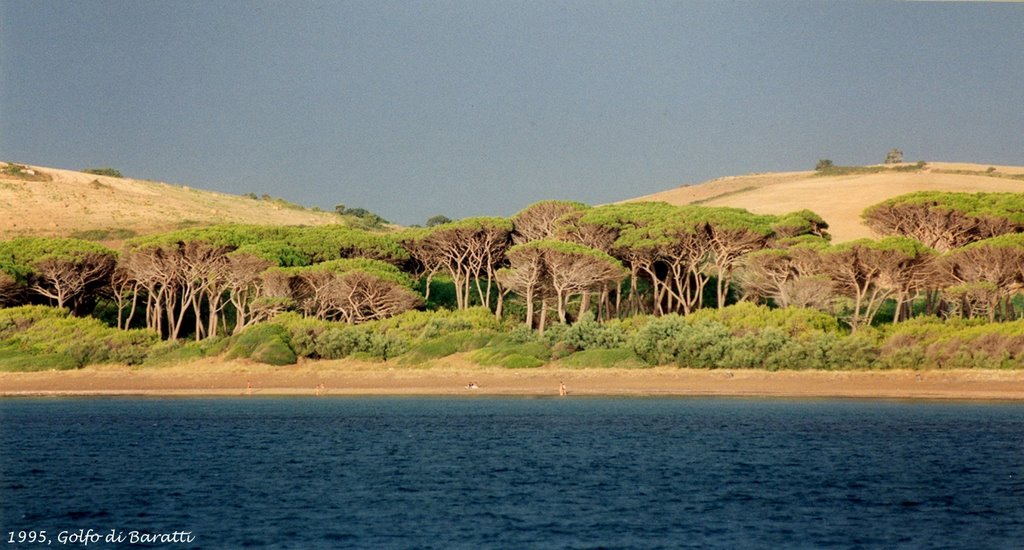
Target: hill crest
(42,201)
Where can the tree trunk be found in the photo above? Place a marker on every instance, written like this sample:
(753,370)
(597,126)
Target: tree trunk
(584,302)
(618,301)
(634,305)
(197,313)
(543,314)
(562,299)
(529,307)
(214,301)
(499,308)
(426,287)
(484,300)
(722,288)
(131,312)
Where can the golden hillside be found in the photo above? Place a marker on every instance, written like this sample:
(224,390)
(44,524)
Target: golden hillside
(53,202)
(840,199)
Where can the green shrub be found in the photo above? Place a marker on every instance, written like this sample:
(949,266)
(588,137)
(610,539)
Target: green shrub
(746,317)
(674,339)
(810,353)
(338,342)
(703,345)
(604,358)
(512,356)
(110,172)
(86,341)
(368,219)
(380,340)
(274,352)
(15,360)
(416,325)
(955,343)
(443,346)
(12,169)
(587,334)
(827,168)
(910,357)
(757,351)
(656,343)
(745,336)
(382,346)
(170,352)
(858,351)
(519,361)
(304,334)
(17,319)
(521,334)
(362,341)
(245,343)
(264,343)
(553,333)
(752,337)
(917,166)
(118,233)
(561,349)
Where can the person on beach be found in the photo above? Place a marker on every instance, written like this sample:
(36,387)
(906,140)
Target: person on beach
(248,387)
(561,389)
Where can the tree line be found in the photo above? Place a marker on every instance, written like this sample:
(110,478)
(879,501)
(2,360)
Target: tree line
(940,254)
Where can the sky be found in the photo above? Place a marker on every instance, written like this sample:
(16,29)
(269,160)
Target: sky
(414,109)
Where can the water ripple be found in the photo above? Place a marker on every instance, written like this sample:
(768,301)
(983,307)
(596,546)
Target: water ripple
(588,473)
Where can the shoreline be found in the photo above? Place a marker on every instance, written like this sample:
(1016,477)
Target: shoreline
(450,379)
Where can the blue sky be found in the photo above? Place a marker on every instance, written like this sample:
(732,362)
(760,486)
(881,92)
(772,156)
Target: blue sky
(412,109)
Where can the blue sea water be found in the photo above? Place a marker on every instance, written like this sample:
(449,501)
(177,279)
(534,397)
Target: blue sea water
(515,473)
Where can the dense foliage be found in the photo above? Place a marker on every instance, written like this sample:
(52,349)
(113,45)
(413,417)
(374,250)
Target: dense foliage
(632,285)
(945,221)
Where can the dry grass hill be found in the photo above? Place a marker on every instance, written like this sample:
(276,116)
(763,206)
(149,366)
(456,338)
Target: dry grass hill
(52,202)
(840,199)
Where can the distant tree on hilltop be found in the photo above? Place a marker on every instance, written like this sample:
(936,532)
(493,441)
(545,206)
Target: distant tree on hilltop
(894,156)
(438,220)
(371,219)
(109,172)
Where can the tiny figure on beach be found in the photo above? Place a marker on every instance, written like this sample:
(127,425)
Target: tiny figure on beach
(472,386)
(248,387)
(561,389)
(320,389)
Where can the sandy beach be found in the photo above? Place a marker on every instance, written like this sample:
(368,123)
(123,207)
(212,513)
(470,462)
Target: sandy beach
(338,378)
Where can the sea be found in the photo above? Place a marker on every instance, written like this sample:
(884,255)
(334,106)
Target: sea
(413,472)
